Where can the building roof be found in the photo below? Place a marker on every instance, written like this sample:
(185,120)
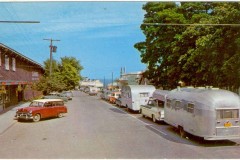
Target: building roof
(21,55)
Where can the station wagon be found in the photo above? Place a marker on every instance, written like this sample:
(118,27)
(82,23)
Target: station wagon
(42,108)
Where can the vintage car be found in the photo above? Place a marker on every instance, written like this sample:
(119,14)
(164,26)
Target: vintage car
(114,96)
(56,96)
(118,101)
(68,94)
(42,108)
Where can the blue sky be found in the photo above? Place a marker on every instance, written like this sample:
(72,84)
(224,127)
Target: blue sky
(99,34)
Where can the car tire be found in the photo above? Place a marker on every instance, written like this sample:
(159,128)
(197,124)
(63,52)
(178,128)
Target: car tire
(36,118)
(60,115)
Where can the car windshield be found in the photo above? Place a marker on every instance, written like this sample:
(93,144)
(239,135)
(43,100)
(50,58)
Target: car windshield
(152,102)
(36,104)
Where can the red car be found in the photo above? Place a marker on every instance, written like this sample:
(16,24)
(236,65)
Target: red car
(42,108)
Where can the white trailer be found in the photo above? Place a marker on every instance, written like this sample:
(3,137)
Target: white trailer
(93,91)
(133,96)
(155,106)
(204,112)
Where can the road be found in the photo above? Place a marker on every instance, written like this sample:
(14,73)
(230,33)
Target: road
(94,128)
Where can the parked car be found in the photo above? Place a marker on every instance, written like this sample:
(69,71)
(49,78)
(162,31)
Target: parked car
(68,93)
(118,101)
(93,91)
(65,94)
(154,109)
(107,95)
(42,108)
(114,96)
(57,96)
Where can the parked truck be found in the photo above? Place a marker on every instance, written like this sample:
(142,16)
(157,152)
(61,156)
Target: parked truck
(155,107)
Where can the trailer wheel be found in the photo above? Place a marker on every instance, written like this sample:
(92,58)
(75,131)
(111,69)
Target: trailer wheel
(182,132)
(153,118)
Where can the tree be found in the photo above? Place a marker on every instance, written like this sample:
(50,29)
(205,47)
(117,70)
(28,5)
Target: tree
(195,54)
(70,69)
(47,66)
(65,75)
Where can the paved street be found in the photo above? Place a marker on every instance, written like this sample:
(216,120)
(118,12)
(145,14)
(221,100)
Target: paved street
(94,128)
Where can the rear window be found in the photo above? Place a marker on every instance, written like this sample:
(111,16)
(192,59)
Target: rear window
(227,113)
(36,104)
(144,94)
(58,103)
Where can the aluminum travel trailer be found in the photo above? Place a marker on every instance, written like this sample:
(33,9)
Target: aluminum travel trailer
(155,106)
(133,96)
(204,112)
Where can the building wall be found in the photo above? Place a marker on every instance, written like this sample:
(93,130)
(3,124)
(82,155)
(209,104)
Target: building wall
(23,71)
(17,75)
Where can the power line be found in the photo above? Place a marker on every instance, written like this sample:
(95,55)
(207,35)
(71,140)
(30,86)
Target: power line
(19,21)
(191,24)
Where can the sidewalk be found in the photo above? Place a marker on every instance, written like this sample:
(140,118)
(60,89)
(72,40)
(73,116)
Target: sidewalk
(7,116)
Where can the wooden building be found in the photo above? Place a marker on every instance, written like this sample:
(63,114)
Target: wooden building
(18,74)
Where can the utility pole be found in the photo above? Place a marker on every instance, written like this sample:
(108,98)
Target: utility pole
(52,49)
(112,79)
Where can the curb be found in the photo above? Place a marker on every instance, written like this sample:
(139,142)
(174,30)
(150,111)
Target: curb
(7,119)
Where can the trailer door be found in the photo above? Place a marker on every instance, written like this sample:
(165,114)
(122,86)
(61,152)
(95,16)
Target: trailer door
(144,96)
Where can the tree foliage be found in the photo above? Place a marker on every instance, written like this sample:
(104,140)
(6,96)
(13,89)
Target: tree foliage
(199,55)
(65,75)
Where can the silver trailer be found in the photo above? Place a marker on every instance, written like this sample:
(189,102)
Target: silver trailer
(204,112)
(133,96)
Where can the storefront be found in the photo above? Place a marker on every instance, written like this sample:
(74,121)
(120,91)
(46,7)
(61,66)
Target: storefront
(17,76)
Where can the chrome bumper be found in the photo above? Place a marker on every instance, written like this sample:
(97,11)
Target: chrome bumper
(25,116)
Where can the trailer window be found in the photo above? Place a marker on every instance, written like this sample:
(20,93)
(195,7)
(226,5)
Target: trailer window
(177,104)
(144,94)
(168,104)
(190,107)
(227,113)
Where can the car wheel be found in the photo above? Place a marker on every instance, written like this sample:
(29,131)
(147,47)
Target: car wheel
(36,117)
(60,115)
(140,111)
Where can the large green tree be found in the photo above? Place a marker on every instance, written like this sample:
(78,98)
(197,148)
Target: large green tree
(65,75)
(206,53)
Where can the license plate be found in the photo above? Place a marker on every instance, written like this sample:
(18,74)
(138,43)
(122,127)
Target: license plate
(227,124)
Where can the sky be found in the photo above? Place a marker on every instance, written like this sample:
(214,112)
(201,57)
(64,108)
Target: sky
(101,35)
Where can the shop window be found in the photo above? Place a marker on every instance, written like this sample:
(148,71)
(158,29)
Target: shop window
(6,62)
(13,64)
(0,58)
